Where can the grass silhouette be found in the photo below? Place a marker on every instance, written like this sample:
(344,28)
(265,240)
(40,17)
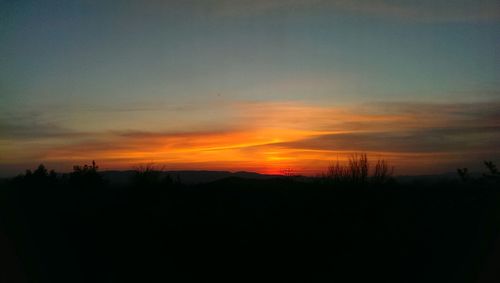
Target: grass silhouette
(357,171)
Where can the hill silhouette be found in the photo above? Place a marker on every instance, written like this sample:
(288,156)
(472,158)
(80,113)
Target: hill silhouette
(245,227)
(187,177)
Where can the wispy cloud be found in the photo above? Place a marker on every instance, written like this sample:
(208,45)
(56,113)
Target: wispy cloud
(421,11)
(433,140)
(425,11)
(32,125)
(270,136)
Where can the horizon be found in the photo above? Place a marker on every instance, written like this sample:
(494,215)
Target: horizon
(256,86)
(285,172)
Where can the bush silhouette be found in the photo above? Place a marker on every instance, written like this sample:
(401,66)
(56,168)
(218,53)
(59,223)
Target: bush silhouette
(86,175)
(141,232)
(493,173)
(463,173)
(338,173)
(491,167)
(383,172)
(149,175)
(357,170)
(40,177)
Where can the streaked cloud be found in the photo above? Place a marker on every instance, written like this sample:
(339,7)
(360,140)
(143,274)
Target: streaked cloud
(431,140)
(421,11)
(417,11)
(248,84)
(271,136)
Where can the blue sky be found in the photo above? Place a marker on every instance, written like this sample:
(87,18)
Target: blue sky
(166,66)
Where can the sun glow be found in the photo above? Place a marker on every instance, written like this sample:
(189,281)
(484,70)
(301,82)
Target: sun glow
(273,137)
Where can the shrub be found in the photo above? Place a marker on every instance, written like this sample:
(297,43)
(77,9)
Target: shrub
(383,172)
(40,177)
(357,171)
(493,173)
(86,175)
(358,168)
(149,175)
(337,173)
(463,173)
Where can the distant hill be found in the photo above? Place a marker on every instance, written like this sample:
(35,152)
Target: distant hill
(449,176)
(186,177)
(191,177)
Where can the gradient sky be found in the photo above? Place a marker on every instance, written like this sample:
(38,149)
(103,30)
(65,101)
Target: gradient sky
(249,85)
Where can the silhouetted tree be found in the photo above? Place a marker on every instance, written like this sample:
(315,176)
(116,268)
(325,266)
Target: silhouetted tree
(463,173)
(493,173)
(149,175)
(337,173)
(86,175)
(40,176)
(491,167)
(357,171)
(358,168)
(383,172)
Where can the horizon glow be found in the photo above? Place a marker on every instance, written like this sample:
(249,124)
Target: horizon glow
(262,86)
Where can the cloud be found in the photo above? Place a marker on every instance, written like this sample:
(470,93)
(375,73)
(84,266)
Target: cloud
(424,11)
(270,136)
(32,127)
(433,140)
(419,11)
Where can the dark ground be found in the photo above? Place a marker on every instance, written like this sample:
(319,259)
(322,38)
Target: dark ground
(238,229)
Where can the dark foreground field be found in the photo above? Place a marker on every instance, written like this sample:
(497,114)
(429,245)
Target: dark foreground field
(237,230)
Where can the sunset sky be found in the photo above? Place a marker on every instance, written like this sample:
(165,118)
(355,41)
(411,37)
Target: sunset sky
(249,85)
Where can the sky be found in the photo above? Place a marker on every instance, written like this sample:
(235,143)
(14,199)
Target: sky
(265,86)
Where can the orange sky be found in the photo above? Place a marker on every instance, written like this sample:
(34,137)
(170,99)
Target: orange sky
(261,85)
(270,137)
